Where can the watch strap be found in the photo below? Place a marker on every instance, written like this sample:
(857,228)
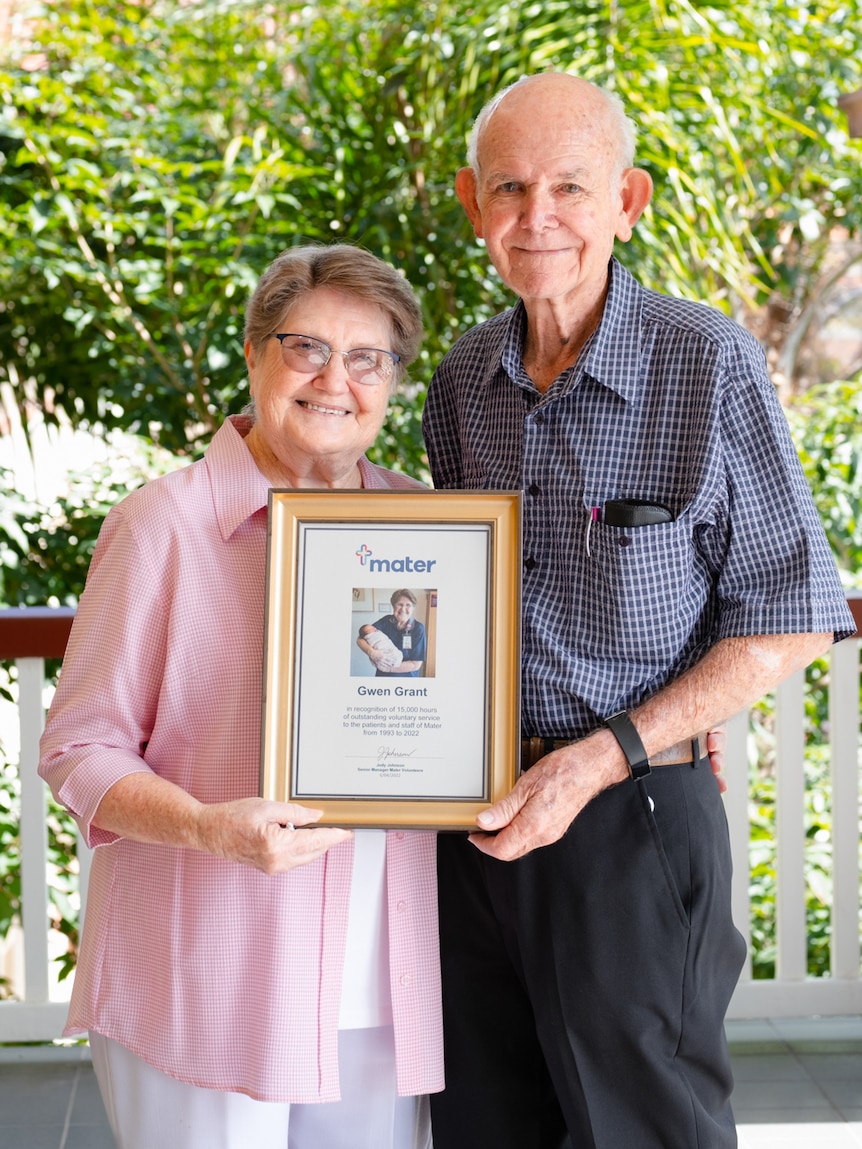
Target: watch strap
(625,732)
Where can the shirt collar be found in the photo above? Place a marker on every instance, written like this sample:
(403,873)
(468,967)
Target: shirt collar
(611,356)
(239,489)
(514,333)
(372,478)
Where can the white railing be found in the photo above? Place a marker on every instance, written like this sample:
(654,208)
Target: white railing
(29,636)
(792,993)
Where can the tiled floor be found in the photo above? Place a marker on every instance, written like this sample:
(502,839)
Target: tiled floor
(798,1083)
(798,1086)
(49,1099)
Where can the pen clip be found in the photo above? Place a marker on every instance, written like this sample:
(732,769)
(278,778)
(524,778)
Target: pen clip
(595,517)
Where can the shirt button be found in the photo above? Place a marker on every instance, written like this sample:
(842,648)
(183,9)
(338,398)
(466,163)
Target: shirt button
(401,907)
(529,563)
(538,418)
(624,541)
(399,837)
(405,979)
(535,489)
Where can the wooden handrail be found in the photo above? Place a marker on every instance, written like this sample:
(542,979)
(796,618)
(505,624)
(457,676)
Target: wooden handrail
(854,601)
(43,631)
(35,631)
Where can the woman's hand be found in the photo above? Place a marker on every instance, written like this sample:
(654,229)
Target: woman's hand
(254,831)
(264,834)
(388,662)
(382,659)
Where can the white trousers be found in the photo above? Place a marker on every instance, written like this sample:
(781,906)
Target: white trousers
(148,1109)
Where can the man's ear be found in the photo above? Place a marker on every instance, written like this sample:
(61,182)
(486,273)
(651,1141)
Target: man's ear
(635,194)
(465,189)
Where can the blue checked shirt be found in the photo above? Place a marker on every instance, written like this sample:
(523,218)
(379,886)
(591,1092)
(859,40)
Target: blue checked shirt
(669,402)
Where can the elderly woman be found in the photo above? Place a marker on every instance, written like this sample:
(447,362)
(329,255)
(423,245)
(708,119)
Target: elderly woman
(242,982)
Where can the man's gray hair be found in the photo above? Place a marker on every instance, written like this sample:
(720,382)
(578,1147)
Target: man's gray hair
(626,129)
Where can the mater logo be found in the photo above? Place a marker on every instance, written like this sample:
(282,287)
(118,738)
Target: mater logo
(397,566)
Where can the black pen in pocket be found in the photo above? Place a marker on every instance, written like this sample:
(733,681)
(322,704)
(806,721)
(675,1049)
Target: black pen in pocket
(635,513)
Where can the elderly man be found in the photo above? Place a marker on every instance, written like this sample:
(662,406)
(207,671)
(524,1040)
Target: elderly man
(674,571)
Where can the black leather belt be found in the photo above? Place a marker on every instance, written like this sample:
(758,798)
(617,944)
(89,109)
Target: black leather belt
(682,753)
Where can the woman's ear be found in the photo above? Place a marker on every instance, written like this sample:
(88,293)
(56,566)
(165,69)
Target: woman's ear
(248,351)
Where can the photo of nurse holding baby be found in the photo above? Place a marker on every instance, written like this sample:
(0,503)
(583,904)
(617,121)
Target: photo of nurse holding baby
(395,645)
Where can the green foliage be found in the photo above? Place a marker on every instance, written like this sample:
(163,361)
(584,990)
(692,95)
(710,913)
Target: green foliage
(45,551)
(141,202)
(10,859)
(63,900)
(828,436)
(135,198)
(818,829)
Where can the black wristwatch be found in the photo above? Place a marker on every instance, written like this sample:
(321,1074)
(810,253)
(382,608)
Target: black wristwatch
(623,729)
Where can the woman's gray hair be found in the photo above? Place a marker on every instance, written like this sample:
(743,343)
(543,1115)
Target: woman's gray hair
(342,267)
(626,129)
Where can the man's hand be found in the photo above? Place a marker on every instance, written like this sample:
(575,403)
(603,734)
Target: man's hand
(716,742)
(732,674)
(263,834)
(549,796)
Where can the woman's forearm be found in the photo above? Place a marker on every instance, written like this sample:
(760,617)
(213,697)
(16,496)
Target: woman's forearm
(147,808)
(253,831)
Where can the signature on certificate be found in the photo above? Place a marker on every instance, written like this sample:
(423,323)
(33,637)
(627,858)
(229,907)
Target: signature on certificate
(388,753)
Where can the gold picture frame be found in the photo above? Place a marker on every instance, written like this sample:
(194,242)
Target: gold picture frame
(426,742)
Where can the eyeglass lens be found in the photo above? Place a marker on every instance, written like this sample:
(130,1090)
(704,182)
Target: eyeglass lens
(363,364)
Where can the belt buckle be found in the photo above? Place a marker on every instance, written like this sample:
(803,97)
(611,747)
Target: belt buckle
(535,748)
(535,751)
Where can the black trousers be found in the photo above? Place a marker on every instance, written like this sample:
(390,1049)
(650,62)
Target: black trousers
(585,986)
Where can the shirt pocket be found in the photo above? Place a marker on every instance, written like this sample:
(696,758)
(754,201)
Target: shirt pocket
(647,593)
(473,478)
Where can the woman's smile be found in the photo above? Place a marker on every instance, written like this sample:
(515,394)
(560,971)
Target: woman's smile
(309,406)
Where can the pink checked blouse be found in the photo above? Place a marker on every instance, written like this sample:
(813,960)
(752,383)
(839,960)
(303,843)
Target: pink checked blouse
(209,970)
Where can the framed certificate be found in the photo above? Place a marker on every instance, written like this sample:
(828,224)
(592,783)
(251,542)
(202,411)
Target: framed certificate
(392,658)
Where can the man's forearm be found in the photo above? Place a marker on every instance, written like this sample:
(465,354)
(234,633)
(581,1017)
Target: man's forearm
(548,797)
(733,674)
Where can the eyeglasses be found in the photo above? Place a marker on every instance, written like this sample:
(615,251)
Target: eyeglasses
(367,365)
